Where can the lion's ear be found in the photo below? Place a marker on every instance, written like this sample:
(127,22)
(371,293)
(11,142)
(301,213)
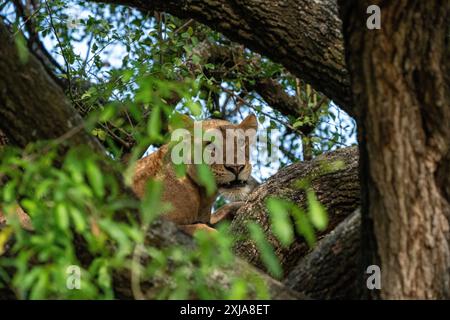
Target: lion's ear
(180,121)
(249,122)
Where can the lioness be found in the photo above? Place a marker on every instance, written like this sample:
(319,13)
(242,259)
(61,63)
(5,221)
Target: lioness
(190,204)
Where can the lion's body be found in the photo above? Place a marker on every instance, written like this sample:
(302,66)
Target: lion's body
(189,202)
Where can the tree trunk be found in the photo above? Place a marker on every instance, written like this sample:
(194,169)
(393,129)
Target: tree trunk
(400,83)
(306,34)
(338,191)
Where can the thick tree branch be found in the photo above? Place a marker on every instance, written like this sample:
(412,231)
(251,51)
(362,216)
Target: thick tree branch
(332,269)
(304,36)
(338,190)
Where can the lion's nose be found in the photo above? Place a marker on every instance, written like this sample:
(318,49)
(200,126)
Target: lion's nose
(235,169)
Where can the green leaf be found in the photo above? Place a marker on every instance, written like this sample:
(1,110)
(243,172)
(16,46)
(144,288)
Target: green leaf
(62,216)
(154,125)
(268,257)
(9,191)
(317,212)
(298,124)
(107,113)
(5,235)
(40,287)
(194,107)
(151,203)
(303,225)
(238,290)
(78,219)
(99,133)
(21,46)
(196,59)
(281,223)
(89,93)
(127,75)
(206,178)
(180,170)
(104,277)
(95,178)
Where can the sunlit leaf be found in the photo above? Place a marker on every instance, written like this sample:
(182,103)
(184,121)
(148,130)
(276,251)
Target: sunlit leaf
(206,179)
(62,216)
(303,226)
(280,220)
(5,234)
(95,178)
(154,125)
(317,212)
(151,205)
(267,255)
(21,45)
(78,219)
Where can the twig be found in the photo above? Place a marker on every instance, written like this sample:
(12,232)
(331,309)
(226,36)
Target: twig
(69,78)
(188,23)
(83,66)
(25,20)
(263,113)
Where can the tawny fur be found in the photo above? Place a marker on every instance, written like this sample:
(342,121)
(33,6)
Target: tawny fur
(190,205)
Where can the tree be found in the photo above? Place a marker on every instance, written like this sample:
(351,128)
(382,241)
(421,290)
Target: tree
(163,233)
(393,80)
(410,50)
(401,89)
(53,106)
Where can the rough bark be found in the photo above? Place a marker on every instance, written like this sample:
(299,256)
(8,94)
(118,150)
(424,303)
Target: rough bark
(306,34)
(33,107)
(332,269)
(338,191)
(3,139)
(400,84)
(164,234)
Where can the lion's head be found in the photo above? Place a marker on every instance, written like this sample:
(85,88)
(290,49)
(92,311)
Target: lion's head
(225,147)
(233,173)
